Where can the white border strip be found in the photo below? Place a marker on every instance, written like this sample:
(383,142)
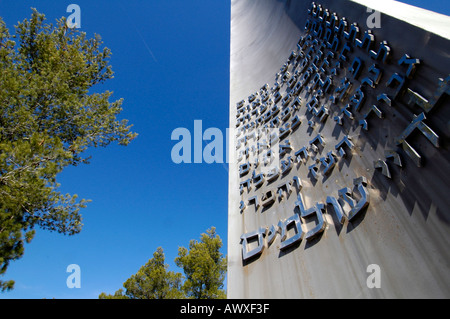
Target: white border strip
(428,20)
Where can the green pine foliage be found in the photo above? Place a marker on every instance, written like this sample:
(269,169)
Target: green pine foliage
(204,268)
(48,118)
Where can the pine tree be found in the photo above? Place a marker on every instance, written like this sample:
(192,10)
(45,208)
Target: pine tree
(204,267)
(152,281)
(48,118)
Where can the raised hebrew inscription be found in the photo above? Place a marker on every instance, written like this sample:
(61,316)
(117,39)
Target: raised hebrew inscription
(328,78)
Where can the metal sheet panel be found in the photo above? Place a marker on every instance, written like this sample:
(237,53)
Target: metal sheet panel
(402,223)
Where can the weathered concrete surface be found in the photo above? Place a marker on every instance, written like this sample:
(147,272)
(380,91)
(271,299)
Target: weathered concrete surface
(406,227)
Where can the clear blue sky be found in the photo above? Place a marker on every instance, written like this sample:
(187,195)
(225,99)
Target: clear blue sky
(171,63)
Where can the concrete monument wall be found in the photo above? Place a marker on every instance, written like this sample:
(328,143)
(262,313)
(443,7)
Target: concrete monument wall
(339,154)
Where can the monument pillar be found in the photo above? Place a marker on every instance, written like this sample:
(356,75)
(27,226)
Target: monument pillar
(339,151)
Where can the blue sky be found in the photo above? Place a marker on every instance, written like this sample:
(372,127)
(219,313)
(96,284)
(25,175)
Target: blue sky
(171,63)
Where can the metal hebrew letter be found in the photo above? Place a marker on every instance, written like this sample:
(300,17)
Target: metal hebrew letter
(318,12)
(268,158)
(245,184)
(400,80)
(277,97)
(318,31)
(239,121)
(322,113)
(341,27)
(344,111)
(334,46)
(308,25)
(337,208)
(295,123)
(284,131)
(338,118)
(417,123)
(254,199)
(244,169)
(385,98)
(406,59)
(384,168)
(240,141)
(267,199)
(353,33)
(246,238)
(286,100)
(286,165)
(347,48)
(394,155)
(258,180)
(317,210)
(324,16)
(374,78)
(285,148)
(341,92)
(331,23)
(297,182)
(274,123)
(346,194)
(329,162)
(312,104)
(262,146)
(373,109)
(271,234)
(256,103)
(318,139)
(273,174)
(326,61)
(324,86)
(280,189)
(356,68)
(383,51)
(358,99)
(295,221)
(314,170)
(285,114)
(242,206)
(313,85)
(347,141)
(264,106)
(310,52)
(297,103)
(367,40)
